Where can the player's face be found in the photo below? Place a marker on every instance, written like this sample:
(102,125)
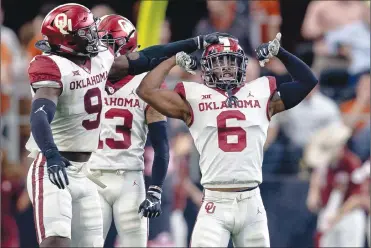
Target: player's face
(225,68)
(89,36)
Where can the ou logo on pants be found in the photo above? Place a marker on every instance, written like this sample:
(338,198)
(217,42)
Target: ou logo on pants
(210,208)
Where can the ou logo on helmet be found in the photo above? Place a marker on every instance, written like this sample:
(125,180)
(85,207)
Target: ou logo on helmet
(125,26)
(61,22)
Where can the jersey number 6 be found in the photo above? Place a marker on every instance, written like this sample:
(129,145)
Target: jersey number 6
(233,132)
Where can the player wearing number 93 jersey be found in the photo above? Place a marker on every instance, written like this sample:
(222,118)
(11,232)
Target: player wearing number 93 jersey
(118,162)
(67,83)
(228,120)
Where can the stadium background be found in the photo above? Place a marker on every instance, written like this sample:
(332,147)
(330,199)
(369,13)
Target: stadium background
(286,177)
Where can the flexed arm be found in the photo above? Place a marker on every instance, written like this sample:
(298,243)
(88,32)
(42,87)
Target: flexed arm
(167,102)
(138,62)
(289,94)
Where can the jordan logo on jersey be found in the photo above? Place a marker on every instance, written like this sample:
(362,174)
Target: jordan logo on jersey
(132,93)
(259,211)
(250,95)
(41,109)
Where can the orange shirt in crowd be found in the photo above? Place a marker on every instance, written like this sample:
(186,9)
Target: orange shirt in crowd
(5,76)
(271,9)
(347,107)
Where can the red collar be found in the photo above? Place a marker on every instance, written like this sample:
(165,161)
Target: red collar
(119,84)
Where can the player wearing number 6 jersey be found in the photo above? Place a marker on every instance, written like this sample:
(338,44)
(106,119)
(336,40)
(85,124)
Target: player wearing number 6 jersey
(118,162)
(228,120)
(67,82)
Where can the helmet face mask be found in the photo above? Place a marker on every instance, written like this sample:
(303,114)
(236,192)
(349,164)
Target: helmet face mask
(224,66)
(114,44)
(87,39)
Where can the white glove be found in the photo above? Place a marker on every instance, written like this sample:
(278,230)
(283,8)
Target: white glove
(185,61)
(268,50)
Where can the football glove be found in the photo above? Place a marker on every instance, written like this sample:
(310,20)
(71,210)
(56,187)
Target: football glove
(151,206)
(203,41)
(187,62)
(56,165)
(268,50)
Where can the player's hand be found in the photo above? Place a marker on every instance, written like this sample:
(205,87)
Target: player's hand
(151,206)
(266,51)
(203,41)
(313,203)
(57,168)
(187,62)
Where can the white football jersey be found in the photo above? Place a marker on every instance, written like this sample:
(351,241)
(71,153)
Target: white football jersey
(230,140)
(124,128)
(76,123)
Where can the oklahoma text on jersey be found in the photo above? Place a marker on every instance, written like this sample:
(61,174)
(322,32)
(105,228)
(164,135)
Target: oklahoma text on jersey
(90,81)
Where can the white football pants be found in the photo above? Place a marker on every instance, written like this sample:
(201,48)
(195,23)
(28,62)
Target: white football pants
(73,212)
(120,200)
(239,215)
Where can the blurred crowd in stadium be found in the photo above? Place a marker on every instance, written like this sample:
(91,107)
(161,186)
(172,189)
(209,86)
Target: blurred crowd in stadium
(331,125)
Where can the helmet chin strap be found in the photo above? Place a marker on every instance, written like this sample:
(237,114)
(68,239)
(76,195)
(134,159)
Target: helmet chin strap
(231,98)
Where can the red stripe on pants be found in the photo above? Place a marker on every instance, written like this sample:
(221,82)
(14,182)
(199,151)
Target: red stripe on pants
(317,239)
(41,198)
(34,195)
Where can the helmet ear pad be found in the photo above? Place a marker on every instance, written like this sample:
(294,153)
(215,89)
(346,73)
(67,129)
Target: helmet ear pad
(44,46)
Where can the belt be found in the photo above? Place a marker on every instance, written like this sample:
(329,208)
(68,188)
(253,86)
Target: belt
(244,190)
(79,157)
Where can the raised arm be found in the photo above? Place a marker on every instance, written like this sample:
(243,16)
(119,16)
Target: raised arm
(167,102)
(289,94)
(138,62)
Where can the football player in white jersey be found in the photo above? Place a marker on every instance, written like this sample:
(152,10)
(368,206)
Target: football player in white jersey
(119,161)
(228,120)
(67,82)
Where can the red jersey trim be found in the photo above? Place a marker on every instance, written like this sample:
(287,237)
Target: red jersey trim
(179,88)
(121,83)
(43,68)
(272,90)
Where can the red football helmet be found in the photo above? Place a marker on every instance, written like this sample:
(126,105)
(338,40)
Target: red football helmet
(70,28)
(224,64)
(120,35)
